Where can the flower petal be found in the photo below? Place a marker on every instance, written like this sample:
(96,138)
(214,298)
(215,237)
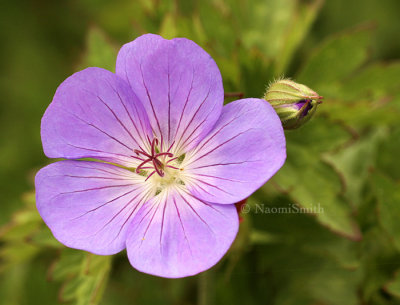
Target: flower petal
(94,114)
(89,205)
(176,235)
(245,149)
(178,83)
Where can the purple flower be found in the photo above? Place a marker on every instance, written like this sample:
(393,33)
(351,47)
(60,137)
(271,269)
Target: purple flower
(168,160)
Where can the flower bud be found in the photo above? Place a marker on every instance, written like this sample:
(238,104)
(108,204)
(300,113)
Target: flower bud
(294,103)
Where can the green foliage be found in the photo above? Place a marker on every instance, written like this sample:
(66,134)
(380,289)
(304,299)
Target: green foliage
(99,51)
(335,59)
(354,170)
(25,236)
(393,287)
(301,21)
(344,161)
(84,276)
(388,194)
(320,185)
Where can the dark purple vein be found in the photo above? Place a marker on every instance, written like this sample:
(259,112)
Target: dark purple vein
(169,104)
(119,121)
(119,212)
(184,107)
(214,186)
(151,102)
(102,131)
(202,220)
(226,179)
(130,215)
(192,119)
(130,117)
(229,163)
(102,205)
(218,131)
(117,173)
(218,146)
(162,225)
(95,189)
(206,204)
(183,228)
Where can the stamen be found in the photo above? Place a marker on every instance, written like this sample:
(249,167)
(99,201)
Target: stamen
(158,166)
(152,173)
(162,142)
(153,146)
(158,170)
(137,158)
(141,164)
(138,152)
(158,163)
(164,154)
(170,160)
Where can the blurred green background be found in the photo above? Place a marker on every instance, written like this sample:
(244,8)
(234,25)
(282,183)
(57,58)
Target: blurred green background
(345,160)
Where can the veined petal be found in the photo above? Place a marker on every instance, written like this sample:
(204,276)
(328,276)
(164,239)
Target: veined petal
(94,114)
(178,83)
(89,205)
(176,235)
(245,149)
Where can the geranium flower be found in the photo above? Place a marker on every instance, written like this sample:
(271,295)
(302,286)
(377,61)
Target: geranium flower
(167,161)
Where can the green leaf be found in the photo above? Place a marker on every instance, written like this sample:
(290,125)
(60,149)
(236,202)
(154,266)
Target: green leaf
(374,82)
(369,97)
(391,147)
(16,253)
(354,169)
(393,287)
(379,260)
(362,113)
(315,185)
(304,260)
(100,51)
(310,182)
(319,136)
(25,235)
(22,225)
(300,24)
(388,195)
(266,24)
(335,59)
(84,275)
(310,285)
(68,264)
(280,222)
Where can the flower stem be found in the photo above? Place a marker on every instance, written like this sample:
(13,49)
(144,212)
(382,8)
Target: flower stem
(205,288)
